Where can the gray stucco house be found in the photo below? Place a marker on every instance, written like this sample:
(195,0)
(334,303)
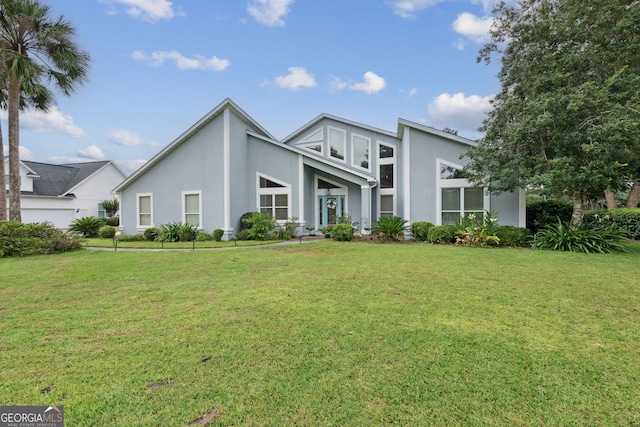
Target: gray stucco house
(227,164)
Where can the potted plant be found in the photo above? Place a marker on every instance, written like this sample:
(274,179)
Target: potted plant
(310,229)
(327,231)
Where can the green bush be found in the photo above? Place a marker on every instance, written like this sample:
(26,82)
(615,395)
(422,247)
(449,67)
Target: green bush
(420,230)
(132,238)
(390,226)
(114,221)
(244,225)
(187,233)
(243,235)
(18,239)
(88,226)
(204,237)
(511,236)
(177,232)
(342,232)
(625,219)
(564,237)
(107,232)
(217,234)
(289,229)
(543,213)
(441,234)
(151,234)
(262,224)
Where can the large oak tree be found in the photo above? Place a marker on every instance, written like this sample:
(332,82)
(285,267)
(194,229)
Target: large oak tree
(567,118)
(35,51)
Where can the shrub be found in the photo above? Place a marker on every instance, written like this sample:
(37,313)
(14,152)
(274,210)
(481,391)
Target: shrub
(114,221)
(478,230)
(151,233)
(343,232)
(442,234)
(420,230)
(132,238)
(88,226)
(204,237)
(243,235)
(262,224)
(327,230)
(244,225)
(543,213)
(511,236)
(217,234)
(18,239)
(391,226)
(289,228)
(110,206)
(625,219)
(563,237)
(177,232)
(107,232)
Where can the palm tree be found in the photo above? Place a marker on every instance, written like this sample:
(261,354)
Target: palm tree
(34,50)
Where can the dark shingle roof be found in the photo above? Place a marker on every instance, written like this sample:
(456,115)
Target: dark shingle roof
(56,180)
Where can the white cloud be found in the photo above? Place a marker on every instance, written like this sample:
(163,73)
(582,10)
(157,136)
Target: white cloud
(337,84)
(182,62)
(298,77)
(458,111)
(146,10)
(472,27)
(50,121)
(269,12)
(408,8)
(23,152)
(372,83)
(127,139)
(91,152)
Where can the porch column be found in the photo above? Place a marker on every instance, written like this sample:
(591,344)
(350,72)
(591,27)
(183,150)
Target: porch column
(365,208)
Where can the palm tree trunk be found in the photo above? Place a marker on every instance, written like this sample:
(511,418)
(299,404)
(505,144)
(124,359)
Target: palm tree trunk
(14,150)
(610,197)
(3,196)
(634,196)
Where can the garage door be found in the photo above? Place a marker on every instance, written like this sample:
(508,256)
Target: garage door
(61,218)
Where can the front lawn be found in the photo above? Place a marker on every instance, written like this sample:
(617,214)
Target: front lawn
(324,333)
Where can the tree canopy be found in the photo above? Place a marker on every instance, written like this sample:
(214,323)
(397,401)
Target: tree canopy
(567,117)
(35,50)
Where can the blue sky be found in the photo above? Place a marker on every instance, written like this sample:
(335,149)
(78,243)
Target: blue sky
(158,66)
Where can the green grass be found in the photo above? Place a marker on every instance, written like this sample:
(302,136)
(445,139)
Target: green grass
(324,333)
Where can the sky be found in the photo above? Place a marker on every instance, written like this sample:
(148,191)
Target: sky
(158,66)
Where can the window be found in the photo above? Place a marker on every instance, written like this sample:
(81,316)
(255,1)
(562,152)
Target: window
(273,198)
(450,172)
(386,205)
(145,210)
(192,208)
(337,142)
(387,180)
(101,212)
(459,202)
(360,151)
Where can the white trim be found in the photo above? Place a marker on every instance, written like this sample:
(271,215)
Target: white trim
(184,207)
(522,208)
(227,170)
(138,196)
(369,159)
(387,191)
(406,174)
(344,144)
(301,190)
(456,183)
(285,189)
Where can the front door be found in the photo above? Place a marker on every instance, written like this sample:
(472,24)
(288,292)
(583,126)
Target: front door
(331,208)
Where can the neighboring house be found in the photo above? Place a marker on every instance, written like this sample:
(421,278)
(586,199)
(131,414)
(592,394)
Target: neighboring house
(226,164)
(61,193)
